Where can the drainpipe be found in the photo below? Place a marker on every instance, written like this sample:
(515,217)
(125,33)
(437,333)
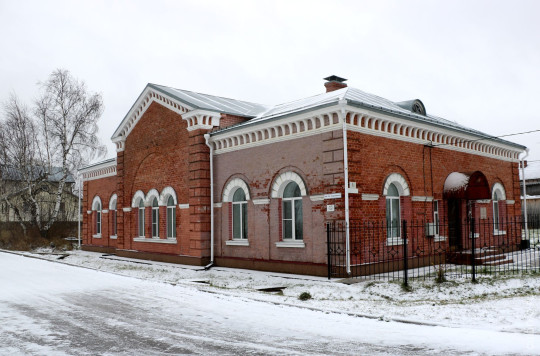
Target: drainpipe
(79,213)
(346,174)
(207,138)
(525,193)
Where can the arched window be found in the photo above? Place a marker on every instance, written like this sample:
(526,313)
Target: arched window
(239,212)
(98,219)
(141,218)
(394,188)
(498,195)
(292,212)
(113,214)
(171,218)
(155,218)
(97,207)
(393,212)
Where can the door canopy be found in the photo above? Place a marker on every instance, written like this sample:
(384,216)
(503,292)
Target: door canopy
(470,186)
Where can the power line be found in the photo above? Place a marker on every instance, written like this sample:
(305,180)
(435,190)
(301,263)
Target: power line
(489,138)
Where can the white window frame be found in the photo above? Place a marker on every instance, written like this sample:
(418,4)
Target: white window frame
(403,190)
(155,219)
(171,219)
(498,194)
(97,206)
(140,220)
(242,205)
(113,205)
(227,196)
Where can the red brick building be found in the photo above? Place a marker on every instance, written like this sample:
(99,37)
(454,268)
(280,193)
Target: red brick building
(201,179)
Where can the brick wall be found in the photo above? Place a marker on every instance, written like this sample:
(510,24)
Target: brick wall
(318,160)
(372,159)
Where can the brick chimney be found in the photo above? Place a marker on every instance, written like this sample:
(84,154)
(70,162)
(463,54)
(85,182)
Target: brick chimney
(334,83)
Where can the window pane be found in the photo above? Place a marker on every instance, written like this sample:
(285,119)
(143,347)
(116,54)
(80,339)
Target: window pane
(236,221)
(169,217)
(291,190)
(395,217)
(287,209)
(141,221)
(239,195)
(244,221)
(298,219)
(392,191)
(287,229)
(170,201)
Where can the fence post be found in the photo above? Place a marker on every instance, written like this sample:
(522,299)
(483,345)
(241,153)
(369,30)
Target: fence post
(405,255)
(473,254)
(328,249)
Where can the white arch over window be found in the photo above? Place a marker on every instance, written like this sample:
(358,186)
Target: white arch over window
(400,183)
(139,195)
(153,193)
(95,202)
(165,194)
(498,188)
(283,179)
(113,202)
(231,188)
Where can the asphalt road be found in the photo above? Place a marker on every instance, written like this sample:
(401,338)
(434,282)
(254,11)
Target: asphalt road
(52,309)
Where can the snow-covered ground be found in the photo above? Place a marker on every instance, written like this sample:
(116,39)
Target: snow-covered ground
(51,308)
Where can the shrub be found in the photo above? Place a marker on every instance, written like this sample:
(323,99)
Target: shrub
(305,296)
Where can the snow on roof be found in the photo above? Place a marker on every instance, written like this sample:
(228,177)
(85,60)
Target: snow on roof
(455,182)
(214,103)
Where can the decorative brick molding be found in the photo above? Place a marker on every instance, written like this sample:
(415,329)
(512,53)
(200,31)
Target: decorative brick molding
(231,187)
(400,183)
(281,182)
(144,101)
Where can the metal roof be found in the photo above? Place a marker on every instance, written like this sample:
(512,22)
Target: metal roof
(356,97)
(213,103)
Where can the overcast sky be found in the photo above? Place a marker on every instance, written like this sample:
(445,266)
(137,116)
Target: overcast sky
(473,62)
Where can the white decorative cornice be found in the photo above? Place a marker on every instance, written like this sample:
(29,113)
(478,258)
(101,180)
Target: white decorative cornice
(147,97)
(126,210)
(201,119)
(271,131)
(364,121)
(183,206)
(261,201)
(99,170)
(370,196)
(377,124)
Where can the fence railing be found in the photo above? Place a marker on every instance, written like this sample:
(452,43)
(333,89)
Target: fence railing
(423,249)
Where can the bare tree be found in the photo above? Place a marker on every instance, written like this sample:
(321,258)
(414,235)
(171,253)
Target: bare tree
(57,136)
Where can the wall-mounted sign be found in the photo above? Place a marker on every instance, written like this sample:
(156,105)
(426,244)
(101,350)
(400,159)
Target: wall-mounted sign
(330,208)
(332,196)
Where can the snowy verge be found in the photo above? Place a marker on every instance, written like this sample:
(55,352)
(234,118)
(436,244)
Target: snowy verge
(503,303)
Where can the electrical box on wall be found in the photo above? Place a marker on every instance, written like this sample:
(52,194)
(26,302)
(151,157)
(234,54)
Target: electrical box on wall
(352,188)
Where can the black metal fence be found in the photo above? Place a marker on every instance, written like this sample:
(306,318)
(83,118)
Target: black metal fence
(424,249)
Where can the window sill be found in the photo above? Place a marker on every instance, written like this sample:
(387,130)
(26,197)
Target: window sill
(113,237)
(394,241)
(96,236)
(239,242)
(292,243)
(499,232)
(439,238)
(155,240)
